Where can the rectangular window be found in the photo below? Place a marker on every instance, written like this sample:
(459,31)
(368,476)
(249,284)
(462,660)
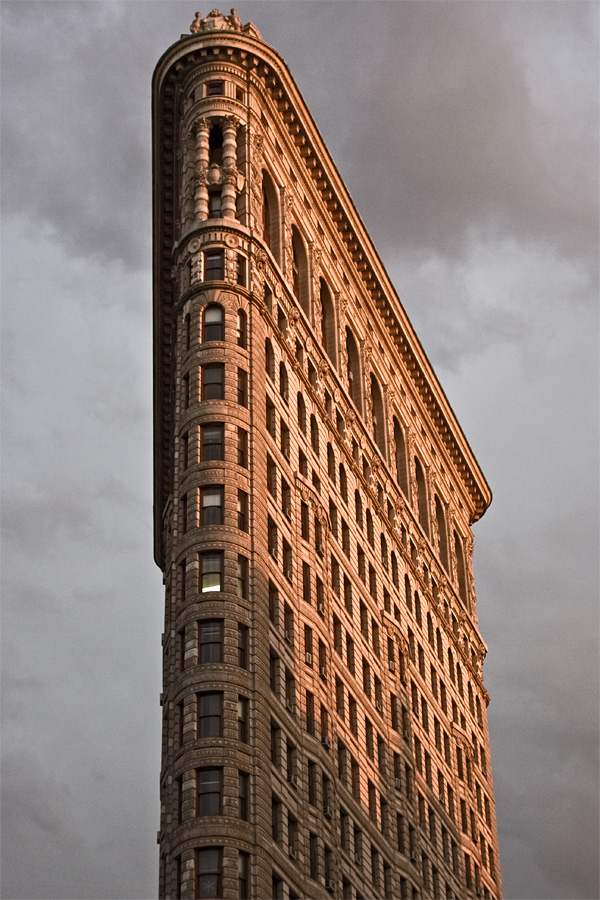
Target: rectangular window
(209,786)
(213,265)
(209,869)
(242,717)
(242,447)
(242,510)
(215,87)
(242,387)
(273,603)
(284,439)
(240,265)
(243,796)
(210,715)
(210,640)
(211,510)
(212,441)
(211,571)
(304,520)
(213,380)
(243,875)
(286,498)
(348,595)
(243,632)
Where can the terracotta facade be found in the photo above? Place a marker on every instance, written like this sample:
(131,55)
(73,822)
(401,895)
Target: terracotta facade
(324,714)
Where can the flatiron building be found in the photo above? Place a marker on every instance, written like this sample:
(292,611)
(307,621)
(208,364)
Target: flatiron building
(324,714)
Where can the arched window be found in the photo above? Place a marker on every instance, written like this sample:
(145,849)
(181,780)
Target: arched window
(400,458)
(301,413)
(378,421)
(314,435)
(384,552)
(213,323)
(330,463)
(215,146)
(242,329)
(270,214)
(283,382)
(269,359)
(300,270)
(353,370)
(370,531)
(422,496)
(460,568)
(358,508)
(408,592)
(430,629)
(394,570)
(328,329)
(343,483)
(441,528)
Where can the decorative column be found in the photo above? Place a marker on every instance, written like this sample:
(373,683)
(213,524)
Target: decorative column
(229,169)
(201,192)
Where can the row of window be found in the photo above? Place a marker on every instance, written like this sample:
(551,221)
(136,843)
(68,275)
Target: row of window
(208,874)
(210,507)
(209,718)
(210,575)
(202,642)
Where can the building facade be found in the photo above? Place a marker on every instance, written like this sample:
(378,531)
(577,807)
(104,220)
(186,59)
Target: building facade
(324,714)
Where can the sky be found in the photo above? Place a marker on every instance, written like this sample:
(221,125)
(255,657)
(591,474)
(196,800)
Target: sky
(467,135)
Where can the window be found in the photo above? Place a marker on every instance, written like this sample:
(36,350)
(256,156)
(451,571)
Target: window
(212,505)
(242,719)
(242,387)
(209,865)
(242,447)
(210,641)
(243,795)
(242,329)
(301,413)
(283,382)
(211,571)
(209,786)
(213,266)
(243,875)
(378,421)
(215,87)
(242,646)
(285,439)
(213,381)
(210,715)
(212,441)
(314,435)
(242,510)
(242,577)
(343,483)
(422,503)
(240,270)
(214,207)
(353,369)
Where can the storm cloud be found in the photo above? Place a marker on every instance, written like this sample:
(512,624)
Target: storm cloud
(467,136)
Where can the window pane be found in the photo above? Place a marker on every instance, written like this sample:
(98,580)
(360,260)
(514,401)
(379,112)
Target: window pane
(212,442)
(213,266)
(212,382)
(212,564)
(213,323)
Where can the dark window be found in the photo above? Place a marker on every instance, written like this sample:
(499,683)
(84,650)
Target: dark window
(242,448)
(242,387)
(243,795)
(242,717)
(213,381)
(210,641)
(213,265)
(212,441)
(211,571)
(242,510)
(209,783)
(241,270)
(210,715)
(214,206)
(209,865)
(242,329)
(215,87)
(243,646)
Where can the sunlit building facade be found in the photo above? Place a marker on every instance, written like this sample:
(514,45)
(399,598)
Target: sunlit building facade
(324,714)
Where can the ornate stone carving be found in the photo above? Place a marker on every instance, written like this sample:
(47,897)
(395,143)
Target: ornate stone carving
(215,21)
(260,259)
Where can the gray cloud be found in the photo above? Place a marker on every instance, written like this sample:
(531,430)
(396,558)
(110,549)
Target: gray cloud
(466,134)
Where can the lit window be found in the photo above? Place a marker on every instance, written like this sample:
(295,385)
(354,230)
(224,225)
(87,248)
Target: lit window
(211,571)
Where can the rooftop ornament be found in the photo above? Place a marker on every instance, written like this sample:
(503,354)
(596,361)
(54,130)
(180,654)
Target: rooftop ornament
(215,21)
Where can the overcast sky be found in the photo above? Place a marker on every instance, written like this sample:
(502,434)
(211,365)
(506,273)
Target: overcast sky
(467,135)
